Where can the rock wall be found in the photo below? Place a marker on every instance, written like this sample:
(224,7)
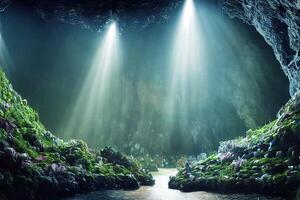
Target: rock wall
(35,164)
(96,15)
(278,21)
(266,161)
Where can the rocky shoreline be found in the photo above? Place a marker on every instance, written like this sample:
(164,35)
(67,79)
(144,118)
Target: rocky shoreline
(35,164)
(266,161)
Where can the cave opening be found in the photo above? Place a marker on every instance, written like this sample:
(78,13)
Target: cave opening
(194,86)
(231,91)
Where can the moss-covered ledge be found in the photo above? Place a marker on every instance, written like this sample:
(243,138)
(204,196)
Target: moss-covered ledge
(266,161)
(34,163)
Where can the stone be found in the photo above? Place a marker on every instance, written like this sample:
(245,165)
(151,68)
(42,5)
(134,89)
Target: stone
(278,22)
(278,168)
(33,141)
(129,182)
(10,152)
(57,168)
(47,186)
(279,154)
(90,14)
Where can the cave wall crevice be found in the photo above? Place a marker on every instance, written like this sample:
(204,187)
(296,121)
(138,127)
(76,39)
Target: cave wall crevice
(278,21)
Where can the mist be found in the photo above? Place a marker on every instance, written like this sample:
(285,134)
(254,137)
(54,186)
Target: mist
(146,102)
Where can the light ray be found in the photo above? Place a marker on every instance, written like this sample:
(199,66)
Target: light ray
(185,66)
(5,60)
(96,100)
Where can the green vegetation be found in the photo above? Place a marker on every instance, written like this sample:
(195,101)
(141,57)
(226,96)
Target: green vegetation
(35,163)
(265,161)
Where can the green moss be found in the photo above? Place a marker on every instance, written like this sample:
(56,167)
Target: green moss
(44,149)
(256,166)
(146,162)
(109,169)
(255,135)
(22,146)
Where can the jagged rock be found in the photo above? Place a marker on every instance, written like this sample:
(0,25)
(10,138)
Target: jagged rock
(115,157)
(35,163)
(129,182)
(278,22)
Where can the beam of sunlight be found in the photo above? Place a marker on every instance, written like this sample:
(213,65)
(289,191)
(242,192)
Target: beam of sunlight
(5,60)
(96,100)
(186,63)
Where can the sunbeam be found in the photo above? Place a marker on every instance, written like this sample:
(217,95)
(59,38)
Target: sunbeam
(5,61)
(97,94)
(147,100)
(186,71)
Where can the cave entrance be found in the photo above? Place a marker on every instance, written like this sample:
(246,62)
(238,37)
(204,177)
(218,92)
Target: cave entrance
(238,84)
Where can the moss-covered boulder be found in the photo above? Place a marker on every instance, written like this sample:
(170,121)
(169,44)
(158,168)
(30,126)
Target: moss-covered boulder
(266,161)
(34,163)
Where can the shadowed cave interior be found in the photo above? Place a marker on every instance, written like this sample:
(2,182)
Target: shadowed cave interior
(177,84)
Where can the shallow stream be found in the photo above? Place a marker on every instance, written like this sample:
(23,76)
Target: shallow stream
(160,191)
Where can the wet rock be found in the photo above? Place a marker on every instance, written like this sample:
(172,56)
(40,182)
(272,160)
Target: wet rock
(129,182)
(115,157)
(100,181)
(67,183)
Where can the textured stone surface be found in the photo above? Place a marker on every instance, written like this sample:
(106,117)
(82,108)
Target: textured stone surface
(96,14)
(4,4)
(278,21)
(266,161)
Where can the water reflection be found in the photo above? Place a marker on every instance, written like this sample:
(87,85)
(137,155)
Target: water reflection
(161,192)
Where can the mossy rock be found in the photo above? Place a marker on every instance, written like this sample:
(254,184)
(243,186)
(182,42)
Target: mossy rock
(36,163)
(269,163)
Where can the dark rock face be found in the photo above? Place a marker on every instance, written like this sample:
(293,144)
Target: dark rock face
(97,14)
(4,4)
(278,21)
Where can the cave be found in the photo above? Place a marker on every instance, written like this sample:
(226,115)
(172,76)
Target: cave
(148,100)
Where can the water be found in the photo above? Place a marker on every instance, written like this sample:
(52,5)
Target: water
(160,191)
